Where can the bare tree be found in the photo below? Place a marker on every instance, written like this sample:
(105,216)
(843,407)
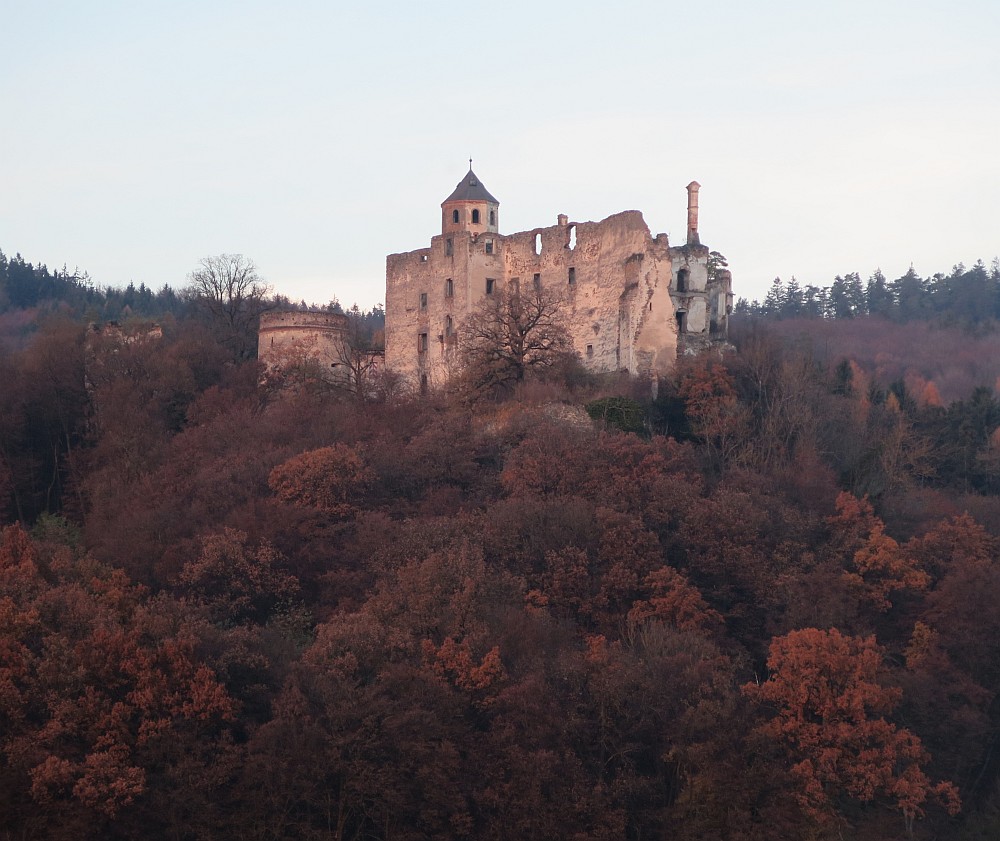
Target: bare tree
(360,360)
(511,333)
(228,288)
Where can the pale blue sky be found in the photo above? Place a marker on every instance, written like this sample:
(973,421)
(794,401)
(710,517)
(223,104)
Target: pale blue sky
(316,137)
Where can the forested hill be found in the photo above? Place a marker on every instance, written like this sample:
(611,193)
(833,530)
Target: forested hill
(965,296)
(238,604)
(29,292)
(26,286)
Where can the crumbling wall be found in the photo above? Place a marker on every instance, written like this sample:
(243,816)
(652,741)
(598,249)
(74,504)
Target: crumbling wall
(295,338)
(617,283)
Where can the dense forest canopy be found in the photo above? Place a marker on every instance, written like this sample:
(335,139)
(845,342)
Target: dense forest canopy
(760,605)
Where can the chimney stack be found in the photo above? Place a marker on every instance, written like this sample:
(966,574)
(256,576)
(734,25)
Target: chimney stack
(692,235)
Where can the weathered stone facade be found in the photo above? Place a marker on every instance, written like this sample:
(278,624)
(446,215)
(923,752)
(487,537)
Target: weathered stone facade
(631,301)
(295,337)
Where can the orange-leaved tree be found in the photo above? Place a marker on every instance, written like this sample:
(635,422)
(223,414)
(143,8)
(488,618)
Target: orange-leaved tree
(879,566)
(331,479)
(829,720)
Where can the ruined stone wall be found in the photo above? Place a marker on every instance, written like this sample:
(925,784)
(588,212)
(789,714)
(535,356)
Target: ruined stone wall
(297,337)
(622,308)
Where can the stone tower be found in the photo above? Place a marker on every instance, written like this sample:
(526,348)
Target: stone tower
(470,208)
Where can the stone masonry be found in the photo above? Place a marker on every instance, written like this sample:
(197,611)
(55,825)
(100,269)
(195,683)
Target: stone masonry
(631,301)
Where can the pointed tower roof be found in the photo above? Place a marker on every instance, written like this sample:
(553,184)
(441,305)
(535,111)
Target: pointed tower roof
(471,188)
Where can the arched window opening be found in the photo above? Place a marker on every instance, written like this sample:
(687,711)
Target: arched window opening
(454,216)
(493,218)
(475,217)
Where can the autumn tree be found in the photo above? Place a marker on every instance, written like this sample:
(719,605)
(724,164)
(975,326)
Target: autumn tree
(104,696)
(829,719)
(510,334)
(714,411)
(331,479)
(231,293)
(878,566)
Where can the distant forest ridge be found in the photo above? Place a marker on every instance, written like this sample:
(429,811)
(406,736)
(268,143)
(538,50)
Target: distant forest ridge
(968,296)
(27,286)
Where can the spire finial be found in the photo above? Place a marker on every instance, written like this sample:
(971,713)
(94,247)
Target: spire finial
(470,163)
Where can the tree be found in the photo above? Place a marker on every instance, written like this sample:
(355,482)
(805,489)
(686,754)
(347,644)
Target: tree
(359,359)
(830,723)
(510,334)
(228,288)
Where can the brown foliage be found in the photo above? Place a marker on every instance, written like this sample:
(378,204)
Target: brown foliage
(332,479)
(879,566)
(829,720)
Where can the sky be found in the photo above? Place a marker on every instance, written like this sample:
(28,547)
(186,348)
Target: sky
(317,137)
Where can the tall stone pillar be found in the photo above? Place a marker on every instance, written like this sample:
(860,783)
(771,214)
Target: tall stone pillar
(692,234)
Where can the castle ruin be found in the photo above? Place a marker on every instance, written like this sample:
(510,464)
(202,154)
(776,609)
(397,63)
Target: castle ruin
(630,301)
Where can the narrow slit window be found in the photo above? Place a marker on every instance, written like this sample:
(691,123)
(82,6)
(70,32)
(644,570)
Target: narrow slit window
(448,326)
(538,243)
(572,276)
(491,285)
(590,351)
(422,343)
(449,288)
(493,218)
(536,280)
(448,248)
(571,240)
(423,300)
(454,216)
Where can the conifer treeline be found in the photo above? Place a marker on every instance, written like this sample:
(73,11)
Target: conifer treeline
(964,295)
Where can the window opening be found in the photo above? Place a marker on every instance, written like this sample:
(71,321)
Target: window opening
(422,343)
(682,280)
(423,258)
(448,326)
(571,242)
(449,288)
(423,300)
(493,218)
(590,351)
(538,243)
(682,322)
(491,283)
(489,246)
(572,276)
(454,216)
(536,280)
(447,248)
(475,217)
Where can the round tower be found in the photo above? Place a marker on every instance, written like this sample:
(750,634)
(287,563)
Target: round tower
(470,207)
